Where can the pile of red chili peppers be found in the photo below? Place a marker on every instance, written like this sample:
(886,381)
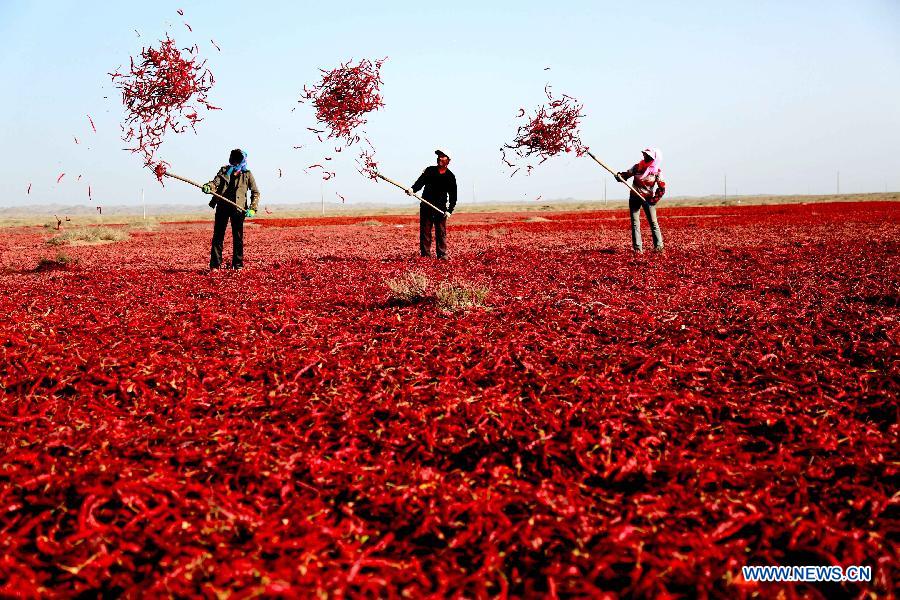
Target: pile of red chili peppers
(162,91)
(552,130)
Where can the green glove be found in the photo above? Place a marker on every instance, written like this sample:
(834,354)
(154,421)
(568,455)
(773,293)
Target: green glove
(249,213)
(207,189)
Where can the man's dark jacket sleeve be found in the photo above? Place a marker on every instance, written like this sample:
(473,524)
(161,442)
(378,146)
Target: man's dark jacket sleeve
(452,193)
(420,182)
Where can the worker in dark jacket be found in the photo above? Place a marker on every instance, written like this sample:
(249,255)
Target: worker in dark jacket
(232,181)
(440,190)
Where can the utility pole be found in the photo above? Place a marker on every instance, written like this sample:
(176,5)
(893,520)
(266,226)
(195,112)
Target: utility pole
(473,191)
(322,196)
(144,203)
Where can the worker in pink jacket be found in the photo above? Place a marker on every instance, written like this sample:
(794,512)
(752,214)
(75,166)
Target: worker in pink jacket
(649,183)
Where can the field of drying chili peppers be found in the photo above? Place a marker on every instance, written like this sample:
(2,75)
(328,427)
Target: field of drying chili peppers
(636,426)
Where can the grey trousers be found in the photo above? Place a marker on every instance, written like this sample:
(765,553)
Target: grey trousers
(634,206)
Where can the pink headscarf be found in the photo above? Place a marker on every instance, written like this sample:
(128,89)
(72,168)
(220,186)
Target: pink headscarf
(651,168)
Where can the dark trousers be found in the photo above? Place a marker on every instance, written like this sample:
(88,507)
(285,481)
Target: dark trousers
(428,219)
(224,213)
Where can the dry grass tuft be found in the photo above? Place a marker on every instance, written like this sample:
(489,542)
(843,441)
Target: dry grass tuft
(459,295)
(371,223)
(451,296)
(537,220)
(408,289)
(62,261)
(89,235)
(139,226)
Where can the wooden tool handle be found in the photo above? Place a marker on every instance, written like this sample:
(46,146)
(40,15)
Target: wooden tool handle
(616,175)
(195,184)
(416,196)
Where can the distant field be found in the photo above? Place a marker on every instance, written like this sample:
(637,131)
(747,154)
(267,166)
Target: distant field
(14,217)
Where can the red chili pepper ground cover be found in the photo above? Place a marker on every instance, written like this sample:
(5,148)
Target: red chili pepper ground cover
(619,425)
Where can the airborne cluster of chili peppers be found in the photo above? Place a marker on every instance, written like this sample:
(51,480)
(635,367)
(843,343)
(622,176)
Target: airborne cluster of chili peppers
(552,130)
(162,91)
(610,424)
(367,164)
(344,97)
(342,100)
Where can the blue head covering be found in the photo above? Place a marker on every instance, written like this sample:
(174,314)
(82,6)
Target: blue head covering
(240,167)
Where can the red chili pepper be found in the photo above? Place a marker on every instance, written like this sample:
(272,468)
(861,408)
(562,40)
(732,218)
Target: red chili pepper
(159,169)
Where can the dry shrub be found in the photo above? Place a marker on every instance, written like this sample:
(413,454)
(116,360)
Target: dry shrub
(371,223)
(537,220)
(459,295)
(150,225)
(413,287)
(89,235)
(61,261)
(408,289)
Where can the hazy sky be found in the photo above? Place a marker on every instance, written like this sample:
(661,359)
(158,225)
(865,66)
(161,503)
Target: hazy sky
(778,95)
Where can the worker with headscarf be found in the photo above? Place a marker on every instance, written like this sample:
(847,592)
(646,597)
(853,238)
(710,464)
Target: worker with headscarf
(649,183)
(440,190)
(232,181)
